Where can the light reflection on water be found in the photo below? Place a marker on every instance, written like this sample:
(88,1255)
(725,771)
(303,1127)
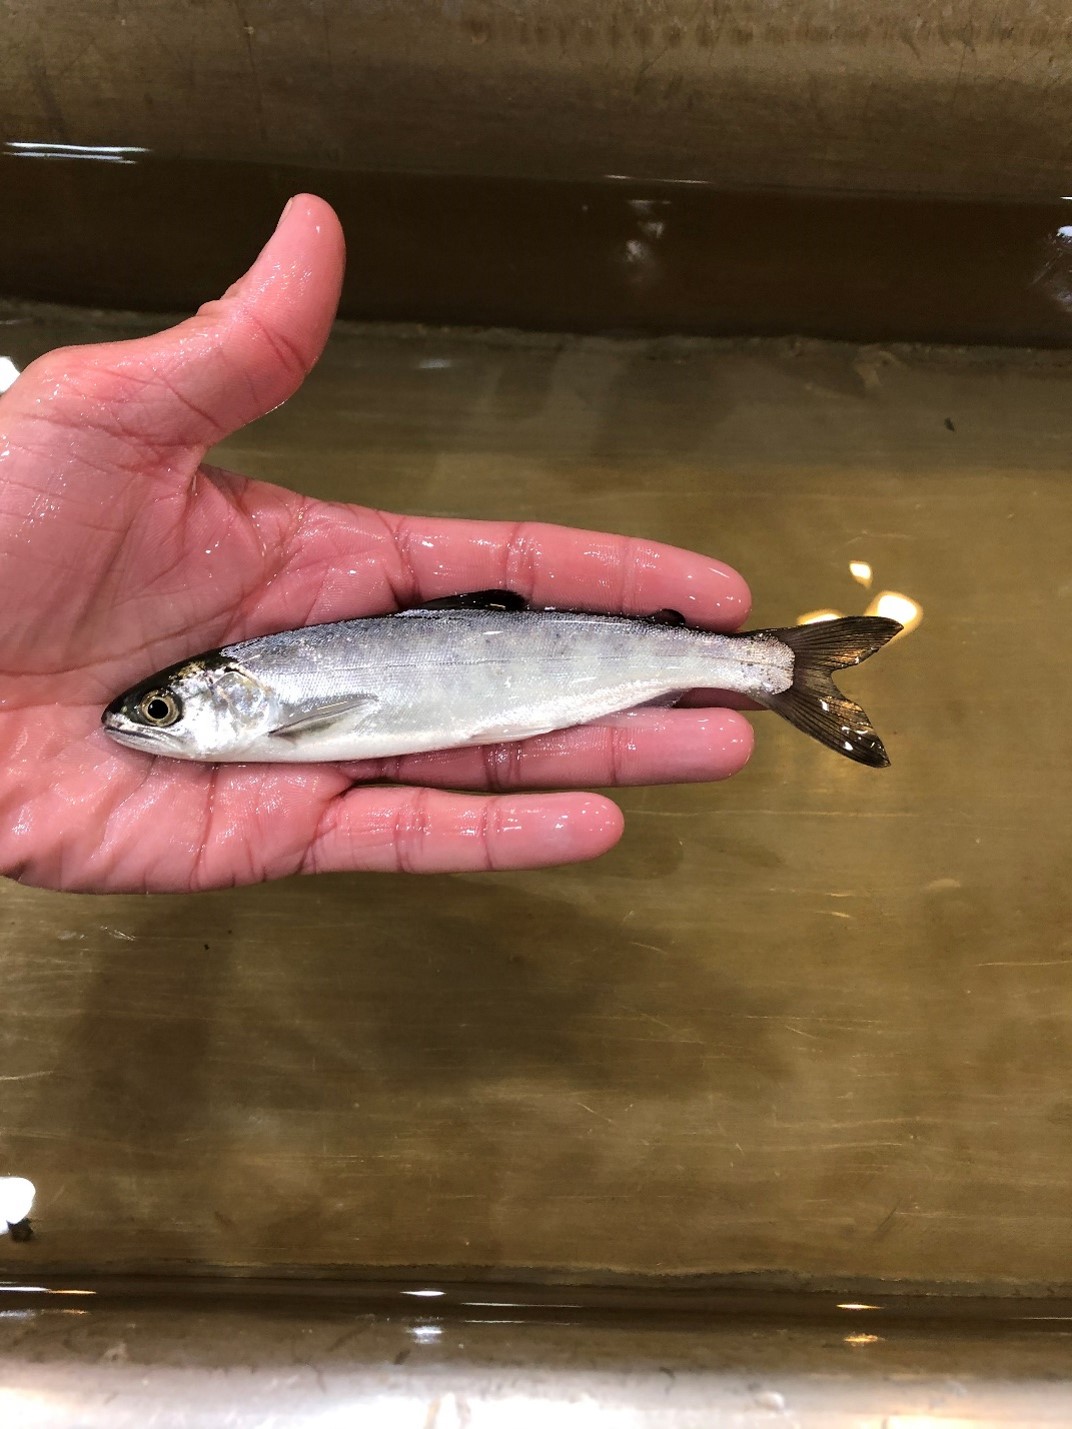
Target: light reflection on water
(8,373)
(891,604)
(101,153)
(16,1200)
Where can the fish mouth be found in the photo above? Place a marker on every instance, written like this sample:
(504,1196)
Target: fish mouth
(124,731)
(115,716)
(129,735)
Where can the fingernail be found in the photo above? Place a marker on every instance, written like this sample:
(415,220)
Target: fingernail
(286,210)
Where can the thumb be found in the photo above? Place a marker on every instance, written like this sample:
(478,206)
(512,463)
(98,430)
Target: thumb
(235,360)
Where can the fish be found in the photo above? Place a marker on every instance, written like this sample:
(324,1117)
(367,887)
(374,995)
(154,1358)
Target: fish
(480,668)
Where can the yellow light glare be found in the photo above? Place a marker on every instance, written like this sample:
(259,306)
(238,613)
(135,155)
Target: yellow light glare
(929,1421)
(895,606)
(861,571)
(813,616)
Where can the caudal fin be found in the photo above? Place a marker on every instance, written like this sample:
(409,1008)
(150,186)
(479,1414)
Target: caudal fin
(813,702)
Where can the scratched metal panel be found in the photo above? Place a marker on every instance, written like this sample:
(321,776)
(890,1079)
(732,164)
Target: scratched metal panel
(946,96)
(815,1021)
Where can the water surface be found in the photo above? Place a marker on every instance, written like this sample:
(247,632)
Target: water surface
(811,1025)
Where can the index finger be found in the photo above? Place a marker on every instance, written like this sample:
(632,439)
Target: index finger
(564,567)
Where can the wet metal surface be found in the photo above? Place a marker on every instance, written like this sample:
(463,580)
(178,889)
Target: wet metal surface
(106,1369)
(811,1024)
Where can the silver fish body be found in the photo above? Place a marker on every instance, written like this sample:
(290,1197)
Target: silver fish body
(434,679)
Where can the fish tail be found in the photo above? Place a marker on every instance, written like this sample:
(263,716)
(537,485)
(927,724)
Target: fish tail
(813,702)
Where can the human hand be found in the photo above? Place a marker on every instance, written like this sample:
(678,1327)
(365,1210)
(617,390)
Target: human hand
(122,552)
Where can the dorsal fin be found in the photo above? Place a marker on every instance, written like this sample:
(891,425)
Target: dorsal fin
(510,600)
(477,600)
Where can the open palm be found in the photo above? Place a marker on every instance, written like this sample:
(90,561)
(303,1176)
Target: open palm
(122,552)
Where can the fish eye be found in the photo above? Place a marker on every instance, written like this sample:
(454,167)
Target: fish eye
(160,708)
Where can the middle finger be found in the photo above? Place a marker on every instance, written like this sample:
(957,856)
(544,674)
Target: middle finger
(645,746)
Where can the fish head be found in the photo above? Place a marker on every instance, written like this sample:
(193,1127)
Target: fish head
(209,708)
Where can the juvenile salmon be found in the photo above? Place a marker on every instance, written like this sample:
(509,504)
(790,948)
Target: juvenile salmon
(478,669)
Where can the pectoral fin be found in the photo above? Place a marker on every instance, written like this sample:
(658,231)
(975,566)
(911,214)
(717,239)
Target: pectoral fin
(337,718)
